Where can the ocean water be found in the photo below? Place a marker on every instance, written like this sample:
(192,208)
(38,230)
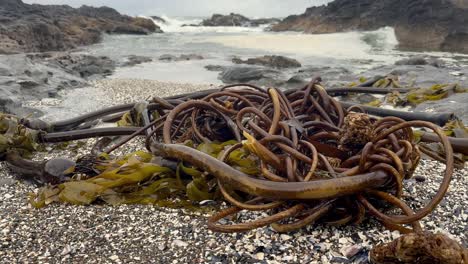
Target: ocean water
(355,51)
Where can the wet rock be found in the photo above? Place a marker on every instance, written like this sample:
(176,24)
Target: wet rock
(214,67)
(331,76)
(35,76)
(186,57)
(270,61)
(159,19)
(83,65)
(365,98)
(420,60)
(8,105)
(27,84)
(235,20)
(167,57)
(237,74)
(133,60)
(457,103)
(296,79)
(182,57)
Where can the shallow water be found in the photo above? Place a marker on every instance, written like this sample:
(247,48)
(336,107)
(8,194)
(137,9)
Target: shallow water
(355,51)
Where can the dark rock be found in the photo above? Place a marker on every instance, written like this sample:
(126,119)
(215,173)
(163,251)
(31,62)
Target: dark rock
(167,57)
(248,74)
(419,178)
(235,20)
(187,57)
(159,19)
(84,66)
(420,60)
(26,84)
(413,21)
(39,28)
(270,61)
(296,79)
(415,60)
(133,60)
(230,20)
(190,25)
(329,75)
(214,67)
(182,57)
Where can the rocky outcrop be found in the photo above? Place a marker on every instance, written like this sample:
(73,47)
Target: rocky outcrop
(39,28)
(273,61)
(235,20)
(35,76)
(182,57)
(419,24)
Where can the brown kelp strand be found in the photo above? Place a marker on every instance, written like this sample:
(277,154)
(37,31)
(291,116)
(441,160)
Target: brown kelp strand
(299,156)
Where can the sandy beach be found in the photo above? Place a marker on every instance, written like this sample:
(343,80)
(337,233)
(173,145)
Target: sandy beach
(62,233)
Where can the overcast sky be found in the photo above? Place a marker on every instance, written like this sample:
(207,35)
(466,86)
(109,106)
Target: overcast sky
(252,8)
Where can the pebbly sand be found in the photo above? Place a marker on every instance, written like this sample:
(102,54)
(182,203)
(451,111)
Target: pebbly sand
(142,233)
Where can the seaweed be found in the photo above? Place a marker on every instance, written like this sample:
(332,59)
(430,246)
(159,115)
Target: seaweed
(299,155)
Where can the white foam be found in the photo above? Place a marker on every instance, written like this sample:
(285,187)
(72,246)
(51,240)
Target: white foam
(181,24)
(349,45)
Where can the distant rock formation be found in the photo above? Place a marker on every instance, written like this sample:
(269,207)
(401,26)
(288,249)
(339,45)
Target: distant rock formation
(419,24)
(235,20)
(39,28)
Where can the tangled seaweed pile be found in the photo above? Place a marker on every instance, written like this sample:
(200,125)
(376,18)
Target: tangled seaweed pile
(299,156)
